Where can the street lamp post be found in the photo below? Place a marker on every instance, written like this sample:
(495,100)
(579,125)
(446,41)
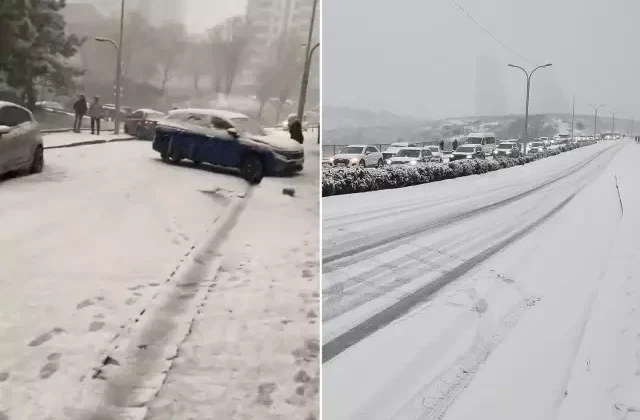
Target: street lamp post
(307,65)
(526,111)
(613,121)
(117,45)
(595,118)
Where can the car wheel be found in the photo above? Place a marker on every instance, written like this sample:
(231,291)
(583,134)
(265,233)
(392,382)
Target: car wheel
(362,164)
(174,157)
(138,133)
(252,169)
(37,164)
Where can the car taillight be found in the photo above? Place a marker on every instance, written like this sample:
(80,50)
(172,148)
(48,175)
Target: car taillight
(148,123)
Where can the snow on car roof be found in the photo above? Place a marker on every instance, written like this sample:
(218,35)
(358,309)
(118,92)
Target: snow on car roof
(413,148)
(147,110)
(358,145)
(211,112)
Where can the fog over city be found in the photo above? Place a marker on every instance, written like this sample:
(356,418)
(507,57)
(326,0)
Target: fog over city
(429,59)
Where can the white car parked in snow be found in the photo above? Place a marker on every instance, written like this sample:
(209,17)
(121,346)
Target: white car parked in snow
(358,155)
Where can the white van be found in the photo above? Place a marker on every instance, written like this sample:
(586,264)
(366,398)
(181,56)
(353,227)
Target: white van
(486,140)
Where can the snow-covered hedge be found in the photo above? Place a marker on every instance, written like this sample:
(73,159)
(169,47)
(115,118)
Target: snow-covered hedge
(336,181)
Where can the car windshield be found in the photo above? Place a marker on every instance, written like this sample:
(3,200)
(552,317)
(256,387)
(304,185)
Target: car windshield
(466,149)
(408,153)
(398,145)
(474,140)
(537,144)
(352,150)
(434,148)
(505,146)
(249,125)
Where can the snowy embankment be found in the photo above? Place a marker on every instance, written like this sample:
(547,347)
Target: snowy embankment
(510,299)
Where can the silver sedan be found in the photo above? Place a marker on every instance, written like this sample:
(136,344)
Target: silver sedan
(21,148)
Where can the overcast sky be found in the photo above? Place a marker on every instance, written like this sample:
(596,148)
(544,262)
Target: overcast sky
(203,14)
(418,57)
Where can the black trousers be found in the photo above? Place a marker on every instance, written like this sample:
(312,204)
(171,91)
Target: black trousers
(77,123)
(95,125)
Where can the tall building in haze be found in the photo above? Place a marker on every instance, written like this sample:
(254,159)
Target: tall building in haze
(490,90)
(273,19)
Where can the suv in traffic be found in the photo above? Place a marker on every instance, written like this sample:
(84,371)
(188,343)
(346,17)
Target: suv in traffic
(357,155)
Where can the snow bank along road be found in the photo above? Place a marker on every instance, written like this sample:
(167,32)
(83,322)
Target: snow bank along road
(109,256)
(508,295)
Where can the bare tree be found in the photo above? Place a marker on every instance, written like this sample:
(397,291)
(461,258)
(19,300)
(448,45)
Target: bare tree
(198,61)
(229,46)
(172,40)
(266,87)
(289,63)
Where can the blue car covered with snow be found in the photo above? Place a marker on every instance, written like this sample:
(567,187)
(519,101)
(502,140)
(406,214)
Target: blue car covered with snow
(226,139)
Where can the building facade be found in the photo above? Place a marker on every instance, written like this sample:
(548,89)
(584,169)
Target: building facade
(270,21)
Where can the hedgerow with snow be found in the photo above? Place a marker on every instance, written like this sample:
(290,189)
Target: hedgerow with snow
(337,181)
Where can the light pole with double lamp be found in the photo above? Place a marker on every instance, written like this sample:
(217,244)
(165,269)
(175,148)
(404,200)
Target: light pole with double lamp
(118,46)
(595,118)
(526,109)
(307,64)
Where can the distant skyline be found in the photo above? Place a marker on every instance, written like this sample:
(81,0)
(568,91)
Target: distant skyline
(418,58)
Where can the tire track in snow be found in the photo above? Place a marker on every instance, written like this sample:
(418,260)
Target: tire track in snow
(349,256)
(400,308)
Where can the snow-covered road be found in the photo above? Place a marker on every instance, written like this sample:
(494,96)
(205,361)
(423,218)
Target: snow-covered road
(474,297)
(88,246)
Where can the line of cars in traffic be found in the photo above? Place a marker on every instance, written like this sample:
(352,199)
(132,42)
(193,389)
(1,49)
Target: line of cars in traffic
(476,146)
(217,137)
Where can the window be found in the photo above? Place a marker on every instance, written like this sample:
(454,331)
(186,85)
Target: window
(491,140)
(220,124)
(474,140)
(137,114)
(371,149)
(427,153)
(13,116)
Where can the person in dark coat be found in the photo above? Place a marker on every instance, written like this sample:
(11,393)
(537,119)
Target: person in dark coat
(441,144)
(455,144)
(295,131)
(80,108)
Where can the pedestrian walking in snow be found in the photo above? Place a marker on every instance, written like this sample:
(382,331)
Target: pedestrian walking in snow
(455,144)
(441,145)
(95,112)
(295,131)
(80,108)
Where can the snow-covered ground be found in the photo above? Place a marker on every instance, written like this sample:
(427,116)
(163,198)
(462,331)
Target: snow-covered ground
(507,295)
(66,139)
(95,242)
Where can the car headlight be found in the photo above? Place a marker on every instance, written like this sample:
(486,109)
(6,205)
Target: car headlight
(331,159)
(413,162)
(353,160)
(469,156)
(388,161)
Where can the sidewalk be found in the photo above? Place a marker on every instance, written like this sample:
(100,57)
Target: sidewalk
(71,139)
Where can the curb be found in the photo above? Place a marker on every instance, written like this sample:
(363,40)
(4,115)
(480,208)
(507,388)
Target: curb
(88,143)
(129,376)
(65,130)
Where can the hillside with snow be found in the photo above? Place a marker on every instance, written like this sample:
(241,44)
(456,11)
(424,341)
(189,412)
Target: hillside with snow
(340,130)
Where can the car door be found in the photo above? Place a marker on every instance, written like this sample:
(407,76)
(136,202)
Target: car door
(369,156)
(479,152)
(9,142)
(230,148)
(26,136)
